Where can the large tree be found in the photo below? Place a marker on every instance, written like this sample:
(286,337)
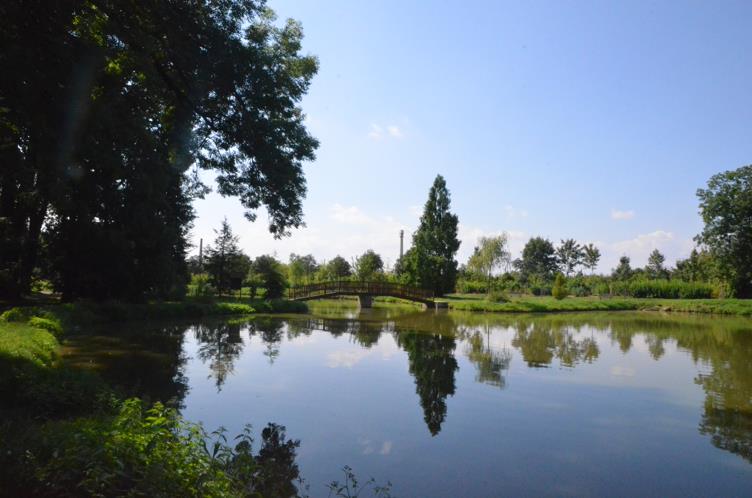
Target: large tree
(225,262)
(569,255)
(368,265)
(726,209)
(430,263)
(269,273)
(623,270)
(338,268)
(655,267)
(114,107)
(590,257)
(538,259)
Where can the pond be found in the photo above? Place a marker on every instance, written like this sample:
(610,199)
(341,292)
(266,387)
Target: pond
(449,404)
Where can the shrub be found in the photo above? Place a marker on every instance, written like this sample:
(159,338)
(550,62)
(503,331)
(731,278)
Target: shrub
(200,285)
(497,296)
(48,324)
(16,314)
(665,289)
(154,452)
(472,286)
(559,290)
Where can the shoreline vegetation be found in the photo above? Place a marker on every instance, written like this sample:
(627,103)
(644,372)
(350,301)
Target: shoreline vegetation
(536,304)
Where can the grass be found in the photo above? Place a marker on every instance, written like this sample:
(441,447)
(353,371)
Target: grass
(530,304)
(23,341)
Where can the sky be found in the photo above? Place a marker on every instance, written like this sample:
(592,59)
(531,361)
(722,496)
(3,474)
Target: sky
(596,121)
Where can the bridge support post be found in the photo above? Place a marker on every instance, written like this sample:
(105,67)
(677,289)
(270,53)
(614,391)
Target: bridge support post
(365,301)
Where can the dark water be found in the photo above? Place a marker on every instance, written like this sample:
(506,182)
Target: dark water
(444,404)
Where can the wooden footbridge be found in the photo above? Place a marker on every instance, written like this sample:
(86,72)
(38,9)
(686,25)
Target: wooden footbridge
(365,291)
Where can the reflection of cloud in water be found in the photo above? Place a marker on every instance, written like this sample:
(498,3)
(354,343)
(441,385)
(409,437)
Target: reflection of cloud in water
(619,371)
(368,448)
(346,359)
(386,448)
(349,358)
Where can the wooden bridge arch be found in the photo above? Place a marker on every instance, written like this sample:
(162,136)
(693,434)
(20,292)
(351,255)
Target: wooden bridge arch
(364,290)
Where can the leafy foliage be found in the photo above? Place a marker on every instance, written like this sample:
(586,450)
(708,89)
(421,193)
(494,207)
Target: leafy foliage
(538,260)
(269,270)
(489,255)
(569,255)
(368,265)
(153,452)
(726,209)
(113,109)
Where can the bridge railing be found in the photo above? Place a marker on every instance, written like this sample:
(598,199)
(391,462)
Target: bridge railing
(350,287)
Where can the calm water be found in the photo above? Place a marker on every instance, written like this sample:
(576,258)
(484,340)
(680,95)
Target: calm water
(445,404)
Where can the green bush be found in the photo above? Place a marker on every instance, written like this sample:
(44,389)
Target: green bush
(497,296)
(154,452)
(559,290)
(665,289)
(200,285)
(50,325)
(16,314)
(472,287)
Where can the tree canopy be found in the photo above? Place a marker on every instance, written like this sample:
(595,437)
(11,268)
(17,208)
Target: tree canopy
(368,265)
(726,210)
(538,259)
(114,108)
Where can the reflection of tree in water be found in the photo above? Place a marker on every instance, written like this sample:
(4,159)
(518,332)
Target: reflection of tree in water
(271,331)
(489,364)
(728,388)
(219,344)
(433,364)
(541,342)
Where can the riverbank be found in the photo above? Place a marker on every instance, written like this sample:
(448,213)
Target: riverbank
(532,304)
(64,428)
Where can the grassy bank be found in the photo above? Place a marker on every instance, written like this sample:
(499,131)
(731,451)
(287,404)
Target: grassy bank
(82,314)
(474,302)
(66,432)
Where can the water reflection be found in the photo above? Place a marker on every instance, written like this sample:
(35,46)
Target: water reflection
(151,361)
(220,346)
(432,364)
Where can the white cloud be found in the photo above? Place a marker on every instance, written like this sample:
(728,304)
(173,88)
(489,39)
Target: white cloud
(348,214)
(512,212)
(379,132)
(376,133)
(639,248)
(622,215)
(394,131)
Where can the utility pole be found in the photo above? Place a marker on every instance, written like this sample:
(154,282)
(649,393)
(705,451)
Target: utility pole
(200,254)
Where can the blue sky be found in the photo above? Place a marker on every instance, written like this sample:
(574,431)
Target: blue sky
(591,120)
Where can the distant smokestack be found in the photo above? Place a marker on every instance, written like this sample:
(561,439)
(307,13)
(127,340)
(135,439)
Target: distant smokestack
(201,254)
(402,237)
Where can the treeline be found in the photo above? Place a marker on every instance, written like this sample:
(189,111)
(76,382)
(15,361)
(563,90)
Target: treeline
(490,269)
(108,112)
(430,263)
(720,265)
(225,268)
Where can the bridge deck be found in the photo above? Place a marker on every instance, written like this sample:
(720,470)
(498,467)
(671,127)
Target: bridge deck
(331,289)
